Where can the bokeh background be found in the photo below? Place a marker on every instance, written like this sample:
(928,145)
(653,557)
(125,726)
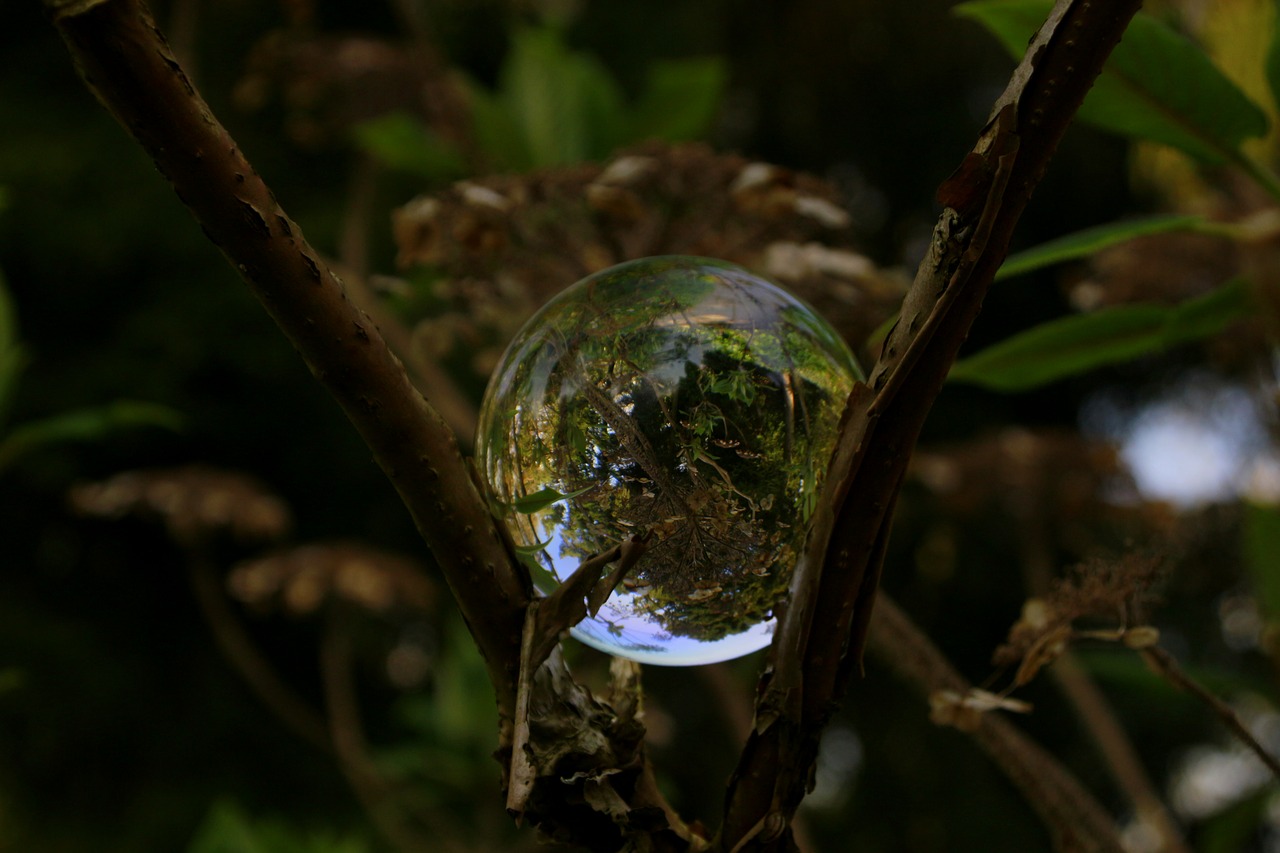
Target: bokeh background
(124,726)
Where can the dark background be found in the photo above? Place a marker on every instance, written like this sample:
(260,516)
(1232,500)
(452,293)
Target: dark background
(127,724)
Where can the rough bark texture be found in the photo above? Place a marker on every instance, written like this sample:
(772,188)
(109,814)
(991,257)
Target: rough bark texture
(124,58)
(833,595)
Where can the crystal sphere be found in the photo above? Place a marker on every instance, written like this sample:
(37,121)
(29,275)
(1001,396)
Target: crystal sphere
(679,396)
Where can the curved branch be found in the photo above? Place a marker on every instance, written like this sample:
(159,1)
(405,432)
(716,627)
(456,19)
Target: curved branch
(243,654)
(125,60)
(1073,816)
(835,581)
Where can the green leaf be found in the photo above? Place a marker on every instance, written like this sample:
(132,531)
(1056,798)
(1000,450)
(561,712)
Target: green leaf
(562,106)
(85,425)
(543,498)
(401,141)
(497,132)
(530,550)
(1076,344)
(1081,244)
(1261,545)
(680,99)
(1156,86)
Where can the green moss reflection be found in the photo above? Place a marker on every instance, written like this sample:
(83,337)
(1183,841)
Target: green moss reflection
(681,396)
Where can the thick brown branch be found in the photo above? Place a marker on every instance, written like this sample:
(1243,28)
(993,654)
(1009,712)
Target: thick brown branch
(125,60)
(833,594)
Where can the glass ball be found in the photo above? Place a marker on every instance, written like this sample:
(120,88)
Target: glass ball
(685,398)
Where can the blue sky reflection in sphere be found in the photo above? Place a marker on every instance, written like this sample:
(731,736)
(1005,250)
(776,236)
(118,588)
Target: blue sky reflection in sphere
(678,395)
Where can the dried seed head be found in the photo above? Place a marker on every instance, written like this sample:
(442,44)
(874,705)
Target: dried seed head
(301,580)
(195,503)
(541,231)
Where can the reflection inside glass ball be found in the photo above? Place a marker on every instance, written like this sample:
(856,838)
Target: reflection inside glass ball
(682,397)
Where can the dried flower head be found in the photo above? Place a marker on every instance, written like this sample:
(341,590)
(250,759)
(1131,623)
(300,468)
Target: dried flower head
(300,580)
(497,248)
(1117,593)
(964,710)
(195,503)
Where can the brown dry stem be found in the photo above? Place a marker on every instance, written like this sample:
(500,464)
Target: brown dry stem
(376,795)
(1167,666)
(834,586)
(125,60)
(243,654)
(1073,816)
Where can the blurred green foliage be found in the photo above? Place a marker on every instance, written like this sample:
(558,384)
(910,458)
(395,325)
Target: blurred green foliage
(227,829)
(554,106)
(121,726)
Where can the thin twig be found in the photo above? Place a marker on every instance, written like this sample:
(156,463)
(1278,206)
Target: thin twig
(1117,750)
(428,376)
(376,795)
(1166,665)
(1099,718)
(1075,819)
(353,234)
(240,650)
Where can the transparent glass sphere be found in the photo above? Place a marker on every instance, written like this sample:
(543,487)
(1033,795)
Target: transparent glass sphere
(681,396)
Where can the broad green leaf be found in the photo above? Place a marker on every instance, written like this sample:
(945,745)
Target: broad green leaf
(1156,86)
(85,425)
(1261,545)
(1081,244)
(1076,344)
(566,105)
(497,132)
(679,100)
(403,142)
(542,499)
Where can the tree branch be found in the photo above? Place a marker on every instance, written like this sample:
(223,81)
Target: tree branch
(834,584)
(125,60)
(1073,816)
(244,655)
